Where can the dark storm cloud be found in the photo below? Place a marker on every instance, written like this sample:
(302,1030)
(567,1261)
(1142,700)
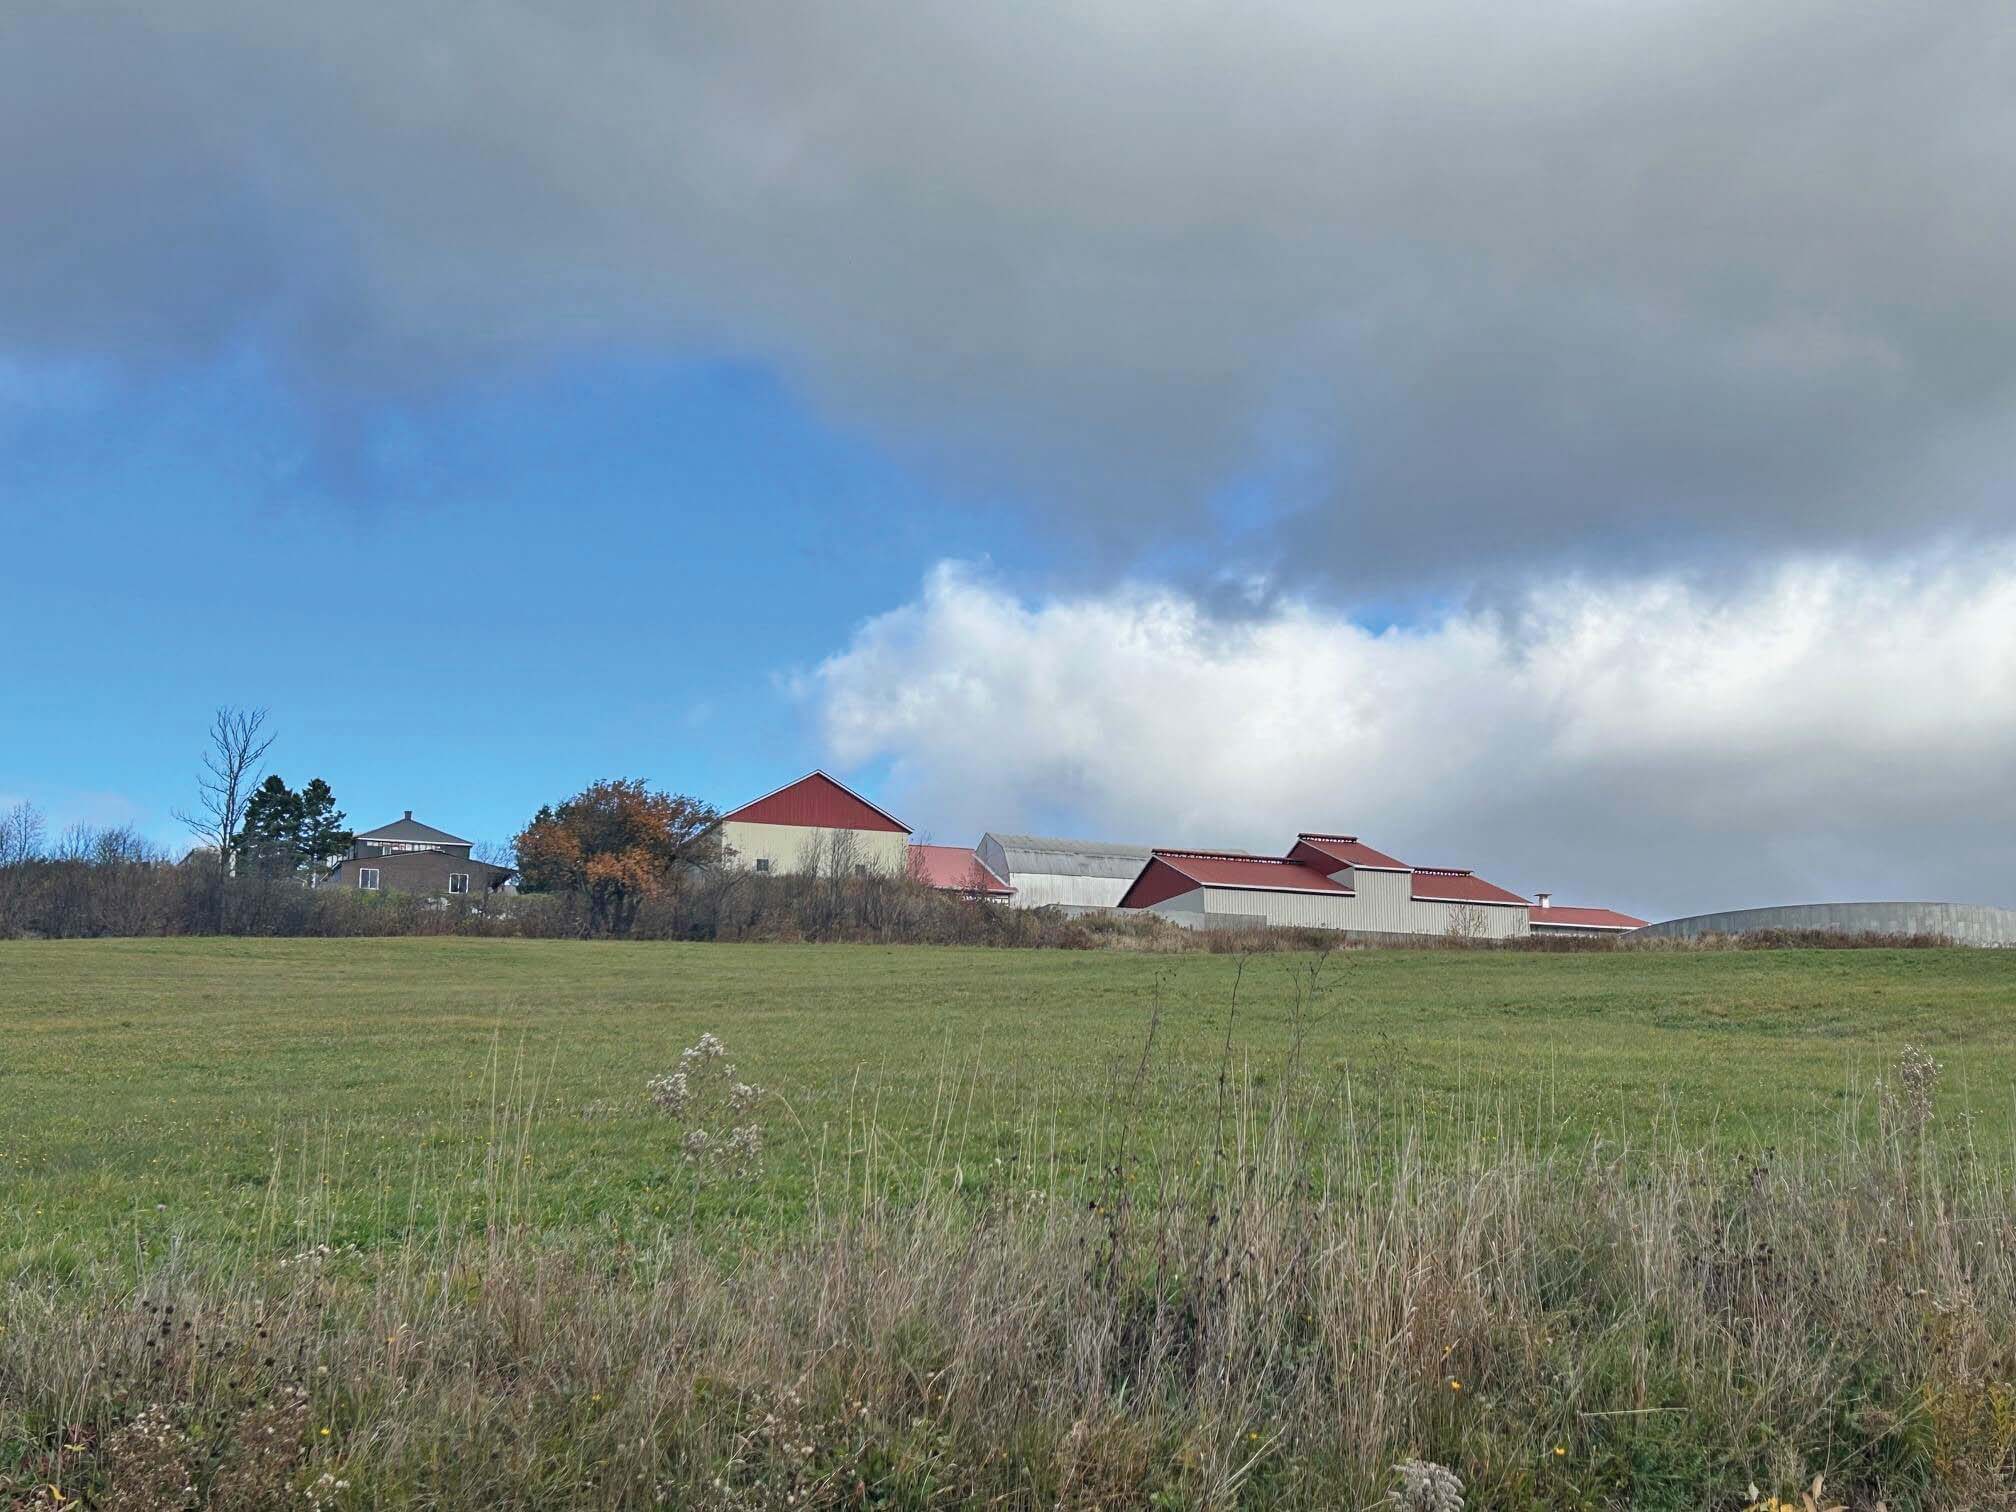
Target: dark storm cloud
(1506,279)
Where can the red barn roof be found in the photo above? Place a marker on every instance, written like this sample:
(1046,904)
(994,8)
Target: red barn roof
(1454,884)
(1345,850)
(954,868)
(816,801)
(1170,872)
(1584,918)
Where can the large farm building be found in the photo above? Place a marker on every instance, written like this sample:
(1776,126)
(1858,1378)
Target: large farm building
(1324,881)
(1042,871)
(816,824)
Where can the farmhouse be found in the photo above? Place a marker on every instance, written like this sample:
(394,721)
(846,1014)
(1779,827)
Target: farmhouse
(1042,871)
(1325,882)
(815,825)
(410,857)
(953,868)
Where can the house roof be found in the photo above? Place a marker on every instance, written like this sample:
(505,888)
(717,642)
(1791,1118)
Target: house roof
(955,869)
(411,829)
(1237,869)
(817,801)
(1068,858)
(1349,850)
(1583,918)
(1456,884)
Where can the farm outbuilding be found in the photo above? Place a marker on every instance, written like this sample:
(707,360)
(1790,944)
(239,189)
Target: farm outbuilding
(1325,882)
(816,824)
(1962,923)
(954,868)
(1546,917)
(1046,871)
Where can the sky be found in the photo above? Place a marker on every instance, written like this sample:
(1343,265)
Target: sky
(1574,440)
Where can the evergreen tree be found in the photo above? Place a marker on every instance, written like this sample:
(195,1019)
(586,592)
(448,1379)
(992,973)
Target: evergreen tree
(269,844)
(321,838)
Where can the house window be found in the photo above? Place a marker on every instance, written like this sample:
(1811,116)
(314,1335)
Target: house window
(458,882)
(763,863)
(367,878)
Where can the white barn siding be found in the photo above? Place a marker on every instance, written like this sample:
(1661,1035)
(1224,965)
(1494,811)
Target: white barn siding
(1385,902)
(1491,921)
(1301,910)
(1040,889)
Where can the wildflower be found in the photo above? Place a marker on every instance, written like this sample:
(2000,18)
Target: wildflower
(1558,1449)
(325,1433)
(1454,1384)
(1426,1487)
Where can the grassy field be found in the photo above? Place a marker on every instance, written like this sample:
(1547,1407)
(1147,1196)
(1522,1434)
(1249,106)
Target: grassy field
(395,1223)
(152,1089)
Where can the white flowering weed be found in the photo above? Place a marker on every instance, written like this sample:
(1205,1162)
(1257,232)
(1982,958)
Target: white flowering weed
(706,1095)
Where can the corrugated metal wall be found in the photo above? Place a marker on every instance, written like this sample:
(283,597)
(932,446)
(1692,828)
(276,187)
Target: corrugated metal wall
(1967,923)
(1038,889)
(1307,910)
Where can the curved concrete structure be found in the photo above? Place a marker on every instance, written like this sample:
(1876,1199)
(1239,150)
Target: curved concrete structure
(1963,923)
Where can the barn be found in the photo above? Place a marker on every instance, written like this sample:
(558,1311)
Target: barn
(817,825)
(1325,881)
(1044,871)
(1548,918)
(954,868)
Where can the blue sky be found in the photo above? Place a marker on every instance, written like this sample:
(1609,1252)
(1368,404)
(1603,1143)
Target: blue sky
(616,571)
(1568,441)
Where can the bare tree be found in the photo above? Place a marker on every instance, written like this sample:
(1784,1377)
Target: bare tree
(21,832)
(231,770)
(496,852)
(1467,922)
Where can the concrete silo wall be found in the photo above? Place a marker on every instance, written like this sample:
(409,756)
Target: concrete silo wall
(1964,923)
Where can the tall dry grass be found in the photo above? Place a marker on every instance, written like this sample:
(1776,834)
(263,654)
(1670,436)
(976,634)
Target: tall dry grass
(1255,1310)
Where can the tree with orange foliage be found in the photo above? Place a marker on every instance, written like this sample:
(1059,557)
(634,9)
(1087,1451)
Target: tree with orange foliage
(618,843)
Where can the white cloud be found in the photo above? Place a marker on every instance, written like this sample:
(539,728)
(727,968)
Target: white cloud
(1830,729)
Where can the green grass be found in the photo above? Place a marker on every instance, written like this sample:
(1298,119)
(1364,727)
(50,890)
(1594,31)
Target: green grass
(1597,1231)
(152,1090)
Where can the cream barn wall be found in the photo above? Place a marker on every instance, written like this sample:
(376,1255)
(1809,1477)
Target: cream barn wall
(798,848)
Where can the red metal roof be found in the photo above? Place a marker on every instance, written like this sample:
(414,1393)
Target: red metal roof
(1454,884)
(1346,850)
(1585,918)
(816,801)
(955,869)
(1231,869)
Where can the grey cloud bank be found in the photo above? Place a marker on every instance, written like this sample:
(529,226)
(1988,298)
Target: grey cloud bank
(1493,284)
